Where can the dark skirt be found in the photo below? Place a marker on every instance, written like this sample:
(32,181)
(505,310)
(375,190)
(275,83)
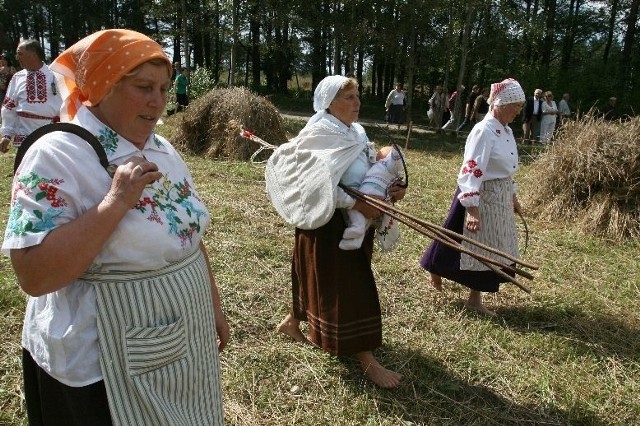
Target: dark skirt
(396,114)
(445,262)
(50,402)
(334,290)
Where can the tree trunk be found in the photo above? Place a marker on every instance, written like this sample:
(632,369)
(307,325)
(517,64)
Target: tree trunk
(611,30)
(624,69)
(549,35)
(185,36)
(255,52)
(235,24)
(464,47)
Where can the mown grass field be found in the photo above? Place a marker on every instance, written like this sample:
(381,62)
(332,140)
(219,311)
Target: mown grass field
(567,354)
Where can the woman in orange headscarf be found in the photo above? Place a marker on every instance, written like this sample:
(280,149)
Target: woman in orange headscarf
(124,321)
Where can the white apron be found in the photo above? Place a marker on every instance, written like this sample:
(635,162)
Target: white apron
(497,225)
(159,354)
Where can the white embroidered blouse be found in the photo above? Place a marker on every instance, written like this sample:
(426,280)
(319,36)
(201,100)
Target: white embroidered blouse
(489,153)
(32,100)
(59,179)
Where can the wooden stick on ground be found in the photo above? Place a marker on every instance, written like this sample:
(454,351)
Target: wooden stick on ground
(409,127)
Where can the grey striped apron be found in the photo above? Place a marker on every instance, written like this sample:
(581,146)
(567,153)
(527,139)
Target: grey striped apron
(157,339)
(497,225)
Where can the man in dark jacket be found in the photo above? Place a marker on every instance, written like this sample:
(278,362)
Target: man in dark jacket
(468,109)
(531,116)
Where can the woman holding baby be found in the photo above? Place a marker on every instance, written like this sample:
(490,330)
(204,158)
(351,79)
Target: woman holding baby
(333,290)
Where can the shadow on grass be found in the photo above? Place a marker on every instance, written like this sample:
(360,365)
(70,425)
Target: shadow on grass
(431,394)
(589,332)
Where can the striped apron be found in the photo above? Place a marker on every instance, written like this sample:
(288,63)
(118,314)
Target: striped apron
(157,339)
(497,225)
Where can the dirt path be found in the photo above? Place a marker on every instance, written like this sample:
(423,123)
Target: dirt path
(415,128)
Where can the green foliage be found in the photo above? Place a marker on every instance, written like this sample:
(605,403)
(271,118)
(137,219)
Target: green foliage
(201,80)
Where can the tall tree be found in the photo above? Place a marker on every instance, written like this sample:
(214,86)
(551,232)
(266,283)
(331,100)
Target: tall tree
(628,43)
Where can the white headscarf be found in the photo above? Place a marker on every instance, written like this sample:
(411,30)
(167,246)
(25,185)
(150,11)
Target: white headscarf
(506,92)
(324,94)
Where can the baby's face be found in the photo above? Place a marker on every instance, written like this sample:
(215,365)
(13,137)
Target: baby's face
(384,151)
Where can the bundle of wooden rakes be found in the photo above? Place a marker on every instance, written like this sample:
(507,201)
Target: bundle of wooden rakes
(590,178)
(211,124)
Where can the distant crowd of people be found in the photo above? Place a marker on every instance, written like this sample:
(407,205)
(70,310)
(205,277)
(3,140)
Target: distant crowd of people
(541,116)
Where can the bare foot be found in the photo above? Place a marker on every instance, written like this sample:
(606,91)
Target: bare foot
(474,303)
(291,327)
(481,309)
(377,373)
(436,281)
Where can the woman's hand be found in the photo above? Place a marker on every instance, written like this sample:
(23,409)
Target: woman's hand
(397,192)
(71,248)
(368,211)
(130,179)
(516,205)
(222,330)
(473,219)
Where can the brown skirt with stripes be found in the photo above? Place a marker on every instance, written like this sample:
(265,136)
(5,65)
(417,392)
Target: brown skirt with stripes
(334,290)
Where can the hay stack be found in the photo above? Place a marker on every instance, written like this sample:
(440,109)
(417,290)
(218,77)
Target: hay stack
(590,177)
(211,124)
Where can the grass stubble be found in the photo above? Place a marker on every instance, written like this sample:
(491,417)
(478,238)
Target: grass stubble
(566,354)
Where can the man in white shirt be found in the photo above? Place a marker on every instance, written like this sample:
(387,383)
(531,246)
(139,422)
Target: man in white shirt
(32,99)
(563,109)
(395,105)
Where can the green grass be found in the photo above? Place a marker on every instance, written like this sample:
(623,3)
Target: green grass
(569,353)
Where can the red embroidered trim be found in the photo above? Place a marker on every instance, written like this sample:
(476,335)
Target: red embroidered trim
(9,103)
(36,87)
(469,194)
(38,117)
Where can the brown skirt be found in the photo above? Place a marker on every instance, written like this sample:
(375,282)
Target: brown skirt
(334,290)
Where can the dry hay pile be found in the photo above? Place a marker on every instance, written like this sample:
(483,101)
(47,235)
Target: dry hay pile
(211,124)
(590,177)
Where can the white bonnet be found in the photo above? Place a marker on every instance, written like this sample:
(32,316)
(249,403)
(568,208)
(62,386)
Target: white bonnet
(506,92)
(326,90)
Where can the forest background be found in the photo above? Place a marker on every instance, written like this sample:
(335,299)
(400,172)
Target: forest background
(584,47)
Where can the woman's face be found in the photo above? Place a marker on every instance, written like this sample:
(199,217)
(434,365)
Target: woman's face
(136,103)
(346,106)
(507,113)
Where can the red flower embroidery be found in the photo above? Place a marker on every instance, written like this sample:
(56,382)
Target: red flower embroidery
(477,173)
(472,164)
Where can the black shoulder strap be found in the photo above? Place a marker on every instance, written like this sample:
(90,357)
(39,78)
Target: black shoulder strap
(62,127)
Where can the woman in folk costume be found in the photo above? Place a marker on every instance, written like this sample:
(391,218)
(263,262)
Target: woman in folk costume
(333,290)
(124,322)
(485,200)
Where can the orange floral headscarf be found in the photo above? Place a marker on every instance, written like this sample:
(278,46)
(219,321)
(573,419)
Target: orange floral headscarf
(87,71)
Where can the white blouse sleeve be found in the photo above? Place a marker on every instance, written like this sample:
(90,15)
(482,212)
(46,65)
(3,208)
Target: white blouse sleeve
(47,191)
(477,152)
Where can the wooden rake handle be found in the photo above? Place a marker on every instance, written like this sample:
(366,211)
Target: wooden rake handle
(448,238)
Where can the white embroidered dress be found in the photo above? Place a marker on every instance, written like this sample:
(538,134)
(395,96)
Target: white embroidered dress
(59,179)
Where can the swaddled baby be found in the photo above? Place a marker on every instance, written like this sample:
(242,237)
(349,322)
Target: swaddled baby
(376,182)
